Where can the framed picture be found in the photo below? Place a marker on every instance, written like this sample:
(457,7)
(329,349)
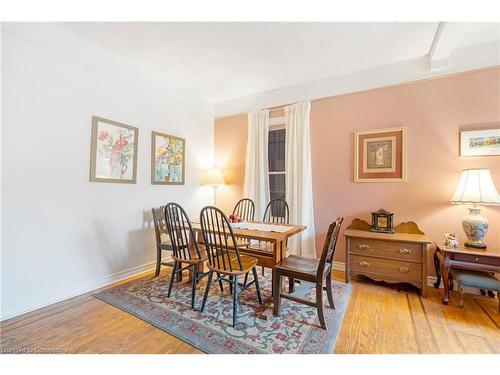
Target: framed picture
(380,155)
(168,156)
(480,142)
(113,151)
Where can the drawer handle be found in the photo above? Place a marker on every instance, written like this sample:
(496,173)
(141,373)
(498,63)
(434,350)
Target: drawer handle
(404,251)
(363,264)
(404,269)
(363,247)
(476,260)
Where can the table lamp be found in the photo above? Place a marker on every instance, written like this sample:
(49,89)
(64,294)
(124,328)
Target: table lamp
(475,187)
(213,177)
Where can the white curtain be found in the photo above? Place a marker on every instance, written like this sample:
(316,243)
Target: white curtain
(298,187)
(256,185)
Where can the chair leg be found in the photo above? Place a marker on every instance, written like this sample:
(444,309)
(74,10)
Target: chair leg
(230,285)
(461,291)
(291,285)
(329,291)
(172,277)
(263,273)
(207,288)
(319,304)
(257,286)
(220,283)
(193,284)
(245,280)
(277,292)
(158,262)
(235,300)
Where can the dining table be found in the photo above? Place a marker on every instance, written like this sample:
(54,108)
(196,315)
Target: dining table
(267,240)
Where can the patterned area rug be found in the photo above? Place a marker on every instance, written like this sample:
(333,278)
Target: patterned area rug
(296,330)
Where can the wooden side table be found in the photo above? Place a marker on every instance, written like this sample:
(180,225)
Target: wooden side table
(393,258)
(467,258)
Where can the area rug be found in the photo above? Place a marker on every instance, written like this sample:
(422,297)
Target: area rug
(296,330)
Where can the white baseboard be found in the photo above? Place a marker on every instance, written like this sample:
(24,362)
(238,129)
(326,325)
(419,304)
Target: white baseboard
(31,304)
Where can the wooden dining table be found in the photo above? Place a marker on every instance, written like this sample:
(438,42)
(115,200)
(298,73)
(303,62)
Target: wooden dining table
(270,248)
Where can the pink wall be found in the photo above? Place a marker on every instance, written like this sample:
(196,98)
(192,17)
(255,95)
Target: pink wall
(433,111)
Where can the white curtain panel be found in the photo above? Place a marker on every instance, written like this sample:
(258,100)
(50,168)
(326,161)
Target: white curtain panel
(298,189)
(256,185)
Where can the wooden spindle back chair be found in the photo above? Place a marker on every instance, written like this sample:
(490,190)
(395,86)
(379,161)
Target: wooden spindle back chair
(277,212)
(224,257)
(161,243)
(310,270)
(185,247)
(245,209)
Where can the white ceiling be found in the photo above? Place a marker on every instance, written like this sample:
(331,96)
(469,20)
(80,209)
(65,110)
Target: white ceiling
(218,62)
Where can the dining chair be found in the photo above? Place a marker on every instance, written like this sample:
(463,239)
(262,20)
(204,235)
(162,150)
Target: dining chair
(185,248)
(161,244)
(224,258)
(309,270)
(277,212)
(245,209)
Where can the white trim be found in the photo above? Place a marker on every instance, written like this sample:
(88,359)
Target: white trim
(70,291)
(277,122)
(461,60)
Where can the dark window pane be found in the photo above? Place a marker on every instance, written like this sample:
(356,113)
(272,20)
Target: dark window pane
(276,150)
(277,186)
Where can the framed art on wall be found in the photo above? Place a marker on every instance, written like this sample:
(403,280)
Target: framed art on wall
(380,155)
(480,142)
(167,159)
(113,151)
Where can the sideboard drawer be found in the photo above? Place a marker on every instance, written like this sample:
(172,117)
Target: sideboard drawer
(389,249)
(396,269)
(471,258)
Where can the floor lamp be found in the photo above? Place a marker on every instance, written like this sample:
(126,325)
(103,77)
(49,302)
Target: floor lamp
(213,177)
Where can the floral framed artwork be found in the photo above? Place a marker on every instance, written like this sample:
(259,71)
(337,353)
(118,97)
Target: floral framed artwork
(380,155)
(480,142)
(168,157)
(113,151)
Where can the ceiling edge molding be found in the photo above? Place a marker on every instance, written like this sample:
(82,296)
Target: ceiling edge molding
(460,60)
(67,44)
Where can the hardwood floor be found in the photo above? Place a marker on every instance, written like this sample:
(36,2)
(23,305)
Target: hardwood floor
(379,319)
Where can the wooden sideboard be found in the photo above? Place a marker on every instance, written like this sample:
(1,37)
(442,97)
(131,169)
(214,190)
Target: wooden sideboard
(393,258)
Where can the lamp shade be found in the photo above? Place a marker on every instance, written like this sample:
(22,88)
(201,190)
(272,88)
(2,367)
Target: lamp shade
(212,177)
(476,187)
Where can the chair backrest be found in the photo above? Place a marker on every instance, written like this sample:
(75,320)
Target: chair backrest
(245,208)
(159,223)
(219,239)
(277,211)
(329,245)
(180,232)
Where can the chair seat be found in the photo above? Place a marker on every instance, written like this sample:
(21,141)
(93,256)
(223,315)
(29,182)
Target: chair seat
(294,263)
(223,264)
(475,279)
(300,265)
(191,261)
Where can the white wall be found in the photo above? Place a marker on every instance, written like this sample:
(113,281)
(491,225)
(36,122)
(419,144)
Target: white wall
(61,234)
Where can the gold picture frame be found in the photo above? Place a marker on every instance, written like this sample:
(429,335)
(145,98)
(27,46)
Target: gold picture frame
(113,151)
(380,155)
(168,161)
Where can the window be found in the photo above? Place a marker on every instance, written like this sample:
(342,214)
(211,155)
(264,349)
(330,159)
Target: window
(276,154)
